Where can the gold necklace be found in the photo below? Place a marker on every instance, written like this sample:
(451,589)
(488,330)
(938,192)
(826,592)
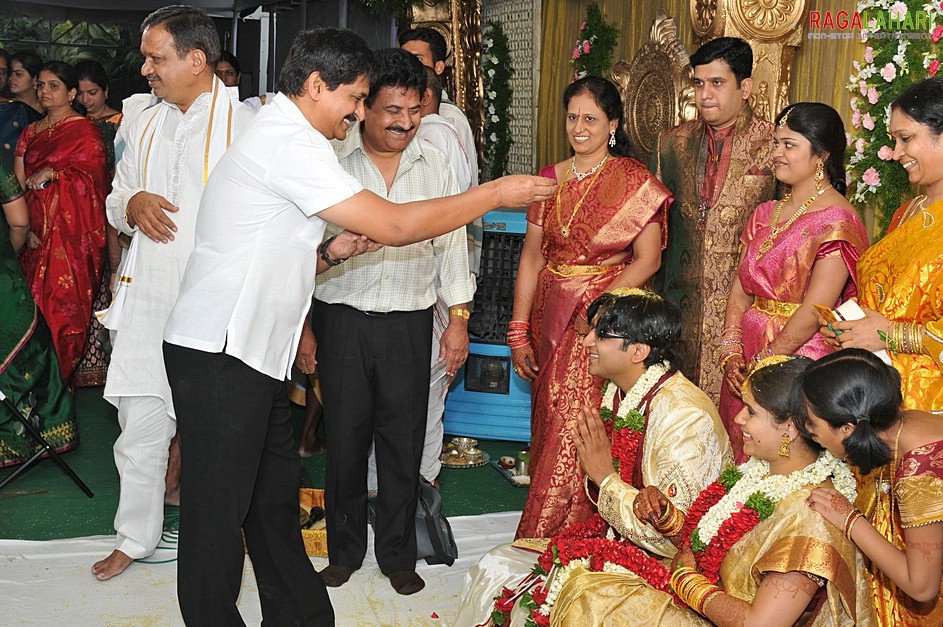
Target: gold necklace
(779,228)
(919,207)
(51,127)
(565,228)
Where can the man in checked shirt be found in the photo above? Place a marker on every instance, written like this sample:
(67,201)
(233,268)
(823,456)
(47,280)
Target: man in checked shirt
(373,322)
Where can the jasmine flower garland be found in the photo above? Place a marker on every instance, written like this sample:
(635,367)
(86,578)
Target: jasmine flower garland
(496,77)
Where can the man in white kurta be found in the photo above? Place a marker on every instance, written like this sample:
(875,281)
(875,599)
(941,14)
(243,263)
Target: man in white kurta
(170,149)
(684,448)
(429,47)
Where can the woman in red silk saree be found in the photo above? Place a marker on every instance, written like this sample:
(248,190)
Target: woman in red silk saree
(604,229)
(67,229)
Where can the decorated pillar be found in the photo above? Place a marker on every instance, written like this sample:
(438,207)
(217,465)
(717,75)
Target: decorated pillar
(774,29)
(459,21)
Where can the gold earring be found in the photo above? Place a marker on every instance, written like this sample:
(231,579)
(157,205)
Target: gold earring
(819,175)
(784,446)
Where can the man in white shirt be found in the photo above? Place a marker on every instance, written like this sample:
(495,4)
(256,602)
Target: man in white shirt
(170,149)
(373,321)
(429,47)
(439,132)
(234,331)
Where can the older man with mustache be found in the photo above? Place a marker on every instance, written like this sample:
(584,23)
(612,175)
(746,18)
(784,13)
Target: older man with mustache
(373,320)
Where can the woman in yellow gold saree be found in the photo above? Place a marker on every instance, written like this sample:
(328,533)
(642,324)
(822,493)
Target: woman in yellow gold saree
(604,229)
(900,278)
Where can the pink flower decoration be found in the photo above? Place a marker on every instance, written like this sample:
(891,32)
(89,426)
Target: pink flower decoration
(586,46)
(583,26)
(859,145)
(886,153)
(898,10)
(871,177)
(853,102)
(869,54)
(847,179)
(937,33)
(873,96)
(934,66)
(857,65)
(863,88)
(856,118)
(867,121)
(889,72)
(847,138)
(576,53)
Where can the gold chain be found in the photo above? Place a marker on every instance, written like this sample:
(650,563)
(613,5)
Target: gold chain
(779,228)
(919,208)
(51,127)
(565,228)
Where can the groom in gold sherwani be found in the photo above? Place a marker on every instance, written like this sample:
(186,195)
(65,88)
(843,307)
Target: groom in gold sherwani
(684,446)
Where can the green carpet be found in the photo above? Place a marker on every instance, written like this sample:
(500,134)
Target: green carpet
(44,504)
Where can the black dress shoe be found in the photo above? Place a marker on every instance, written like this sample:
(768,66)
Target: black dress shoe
(406,582)
(335,576)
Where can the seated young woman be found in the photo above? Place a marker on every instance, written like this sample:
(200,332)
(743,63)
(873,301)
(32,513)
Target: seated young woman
(851,404)
(751,532)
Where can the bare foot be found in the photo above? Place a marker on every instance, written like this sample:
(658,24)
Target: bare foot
(112,565)
(172,495)
(172,478)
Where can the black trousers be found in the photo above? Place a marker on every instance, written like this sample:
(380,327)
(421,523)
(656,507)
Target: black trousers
(239,471)
(374,372)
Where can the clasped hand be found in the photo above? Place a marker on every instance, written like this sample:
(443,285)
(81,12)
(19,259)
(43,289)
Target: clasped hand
(39,179)
(592,445)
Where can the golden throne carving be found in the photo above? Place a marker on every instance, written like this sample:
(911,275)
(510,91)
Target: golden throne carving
(657,87)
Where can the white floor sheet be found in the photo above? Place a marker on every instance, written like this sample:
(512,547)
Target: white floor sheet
(49,583)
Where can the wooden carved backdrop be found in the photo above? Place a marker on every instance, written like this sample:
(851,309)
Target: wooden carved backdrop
(459,21)
(651,102)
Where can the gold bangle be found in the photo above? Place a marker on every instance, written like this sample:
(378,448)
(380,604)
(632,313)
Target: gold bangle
(586,490)
(717,591)
(671,522)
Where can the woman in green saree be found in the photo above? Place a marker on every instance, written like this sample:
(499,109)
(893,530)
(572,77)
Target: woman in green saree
(29,371)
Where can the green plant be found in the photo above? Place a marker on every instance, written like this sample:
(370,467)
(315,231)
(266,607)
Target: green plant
(496,73)
(592,55)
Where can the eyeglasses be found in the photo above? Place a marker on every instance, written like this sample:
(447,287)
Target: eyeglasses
(602,335)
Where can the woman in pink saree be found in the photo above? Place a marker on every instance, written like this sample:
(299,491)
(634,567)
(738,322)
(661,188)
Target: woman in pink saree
(797,252)
(604,229)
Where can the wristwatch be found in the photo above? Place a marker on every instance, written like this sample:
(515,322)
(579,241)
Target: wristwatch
(460,311)
(322,252)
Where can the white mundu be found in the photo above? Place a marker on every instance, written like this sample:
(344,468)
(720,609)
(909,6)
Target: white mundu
(171,154)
